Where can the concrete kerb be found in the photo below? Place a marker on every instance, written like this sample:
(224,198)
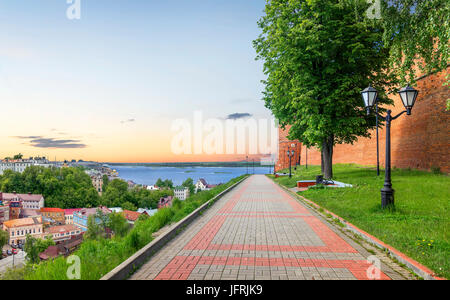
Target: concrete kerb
(123,270)
(413,265)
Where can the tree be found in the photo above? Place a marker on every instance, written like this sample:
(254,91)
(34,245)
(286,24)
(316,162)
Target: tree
(18,156)
(129,206)
(168,183)
(418,34)
(318,55)
(118,224)
(64,188)
(116,193)
(94,229)
(4,238)
(189,183)
(105,182)
(159,182)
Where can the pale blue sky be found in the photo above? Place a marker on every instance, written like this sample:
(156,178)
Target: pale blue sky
(152,61)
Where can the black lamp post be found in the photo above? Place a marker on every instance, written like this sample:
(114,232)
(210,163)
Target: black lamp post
(368,95)
(408,96)
(246,163)
(290,155)
(306,158)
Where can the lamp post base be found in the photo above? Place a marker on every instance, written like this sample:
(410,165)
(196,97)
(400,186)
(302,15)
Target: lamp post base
(387,197)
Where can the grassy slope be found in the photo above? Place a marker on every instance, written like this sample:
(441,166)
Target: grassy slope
(420,225)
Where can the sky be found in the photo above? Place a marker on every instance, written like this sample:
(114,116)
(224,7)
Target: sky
(108,86)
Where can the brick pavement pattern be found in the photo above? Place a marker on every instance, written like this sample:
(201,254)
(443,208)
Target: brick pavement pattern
(259,232)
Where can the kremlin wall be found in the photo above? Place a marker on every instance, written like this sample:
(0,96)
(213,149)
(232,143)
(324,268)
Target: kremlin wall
(418,141)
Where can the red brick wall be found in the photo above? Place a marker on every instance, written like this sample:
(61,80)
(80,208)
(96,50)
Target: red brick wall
(418,141)
(284,145)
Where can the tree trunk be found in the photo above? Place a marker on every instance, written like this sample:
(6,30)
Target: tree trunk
(321,162)
(327,157)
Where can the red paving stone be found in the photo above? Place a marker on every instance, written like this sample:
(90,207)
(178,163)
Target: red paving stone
(202,250)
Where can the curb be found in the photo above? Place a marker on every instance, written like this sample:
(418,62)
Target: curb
(415,266)
(123,270)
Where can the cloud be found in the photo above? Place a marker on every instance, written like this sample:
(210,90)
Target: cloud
(42,142)
(128,121)
(236,116)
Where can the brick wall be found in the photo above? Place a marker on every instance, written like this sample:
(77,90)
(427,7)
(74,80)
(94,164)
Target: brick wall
(418,141)
(284,145)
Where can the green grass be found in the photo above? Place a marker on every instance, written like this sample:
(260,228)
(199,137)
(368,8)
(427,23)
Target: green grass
(98,257)
(420,224)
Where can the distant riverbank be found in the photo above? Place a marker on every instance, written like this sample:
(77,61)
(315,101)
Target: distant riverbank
(148,174)
(232,164)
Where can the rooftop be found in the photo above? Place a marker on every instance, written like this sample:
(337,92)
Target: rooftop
(24,197)
(70,211)
(131,215)
(51,209)
(23,222)
(61,229)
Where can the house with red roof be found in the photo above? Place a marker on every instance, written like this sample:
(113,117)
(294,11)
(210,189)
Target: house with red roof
(131,216)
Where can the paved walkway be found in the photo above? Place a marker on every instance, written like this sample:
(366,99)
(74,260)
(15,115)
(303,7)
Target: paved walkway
(260,232)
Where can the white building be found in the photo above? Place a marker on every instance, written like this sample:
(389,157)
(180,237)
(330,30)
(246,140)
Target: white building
(181,192)
(29,201)
(19,165)
(202,185)
(149,212)
(152,188)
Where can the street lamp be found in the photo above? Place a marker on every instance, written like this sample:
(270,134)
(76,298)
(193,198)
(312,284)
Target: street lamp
(370,95)
(290,155)
(408,96)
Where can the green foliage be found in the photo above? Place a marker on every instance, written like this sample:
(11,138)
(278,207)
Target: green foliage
(4,238)
(61,187)
(164,183)
(318,55)
(94,229)
(100,256)
(105,179)
(418,34)
(34,246)
(16,273)
(189,183)
(129,206)
(72,188)
(118,224)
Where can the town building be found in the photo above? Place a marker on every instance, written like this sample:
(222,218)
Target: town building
(165,202)
(80,218)
(97,182)
(152,188)
(181,192)
(56,214)
(19,165)
(62,232)
(68,215)
(149,212)
(4,213)
(64,248)
(29,213)
(131,216)
(15,209)
(202,185)
(19,229)
(29,201)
